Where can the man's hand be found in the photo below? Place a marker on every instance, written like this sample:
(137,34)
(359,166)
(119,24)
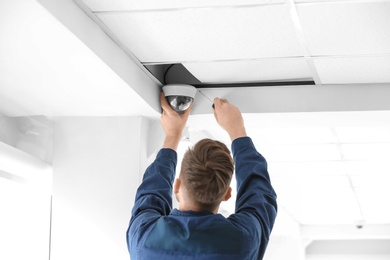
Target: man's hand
(229,118)
(172,123)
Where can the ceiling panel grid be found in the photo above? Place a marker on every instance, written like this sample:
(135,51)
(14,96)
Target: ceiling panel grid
(354,28)
(349,40)
(251,70)
(332,42)
(134,5)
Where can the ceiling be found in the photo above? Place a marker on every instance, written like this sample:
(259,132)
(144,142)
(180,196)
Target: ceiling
(326,144)
(331,42)
(327,168)
(89,57)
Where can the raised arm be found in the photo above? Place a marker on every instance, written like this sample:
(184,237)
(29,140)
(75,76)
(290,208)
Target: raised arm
(154,195)
(256,205)
(172,123)
(229,118)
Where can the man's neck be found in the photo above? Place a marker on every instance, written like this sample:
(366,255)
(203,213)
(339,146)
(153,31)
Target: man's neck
(195,208)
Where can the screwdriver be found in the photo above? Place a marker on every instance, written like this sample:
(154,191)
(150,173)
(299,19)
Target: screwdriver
(207,98)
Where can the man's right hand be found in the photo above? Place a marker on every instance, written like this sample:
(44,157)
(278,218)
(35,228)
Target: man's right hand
(229,118)
(172,123)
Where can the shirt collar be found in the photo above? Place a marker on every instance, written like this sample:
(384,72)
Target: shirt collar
(190,213)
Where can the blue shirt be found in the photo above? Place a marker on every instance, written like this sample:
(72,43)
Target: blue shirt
(158,232)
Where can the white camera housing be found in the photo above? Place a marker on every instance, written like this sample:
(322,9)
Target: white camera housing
(359,223)
(179,96)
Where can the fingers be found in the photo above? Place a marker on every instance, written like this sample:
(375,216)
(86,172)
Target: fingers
(163,101)
(167,109)
(218,103)
(187,111)
(164,104)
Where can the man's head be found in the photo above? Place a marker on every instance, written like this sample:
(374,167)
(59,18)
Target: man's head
(205,176)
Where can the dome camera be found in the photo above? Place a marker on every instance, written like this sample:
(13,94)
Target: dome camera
(179,96)
(359,224)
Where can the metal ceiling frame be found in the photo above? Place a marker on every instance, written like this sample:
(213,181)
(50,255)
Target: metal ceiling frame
(351,97)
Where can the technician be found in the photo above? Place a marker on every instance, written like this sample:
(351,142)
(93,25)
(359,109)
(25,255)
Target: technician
(196,230)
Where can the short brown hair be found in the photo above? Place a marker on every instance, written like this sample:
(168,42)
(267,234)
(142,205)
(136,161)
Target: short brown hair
(206,172)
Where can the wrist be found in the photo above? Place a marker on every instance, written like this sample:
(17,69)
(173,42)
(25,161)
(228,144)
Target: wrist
(172,142)
(237,133)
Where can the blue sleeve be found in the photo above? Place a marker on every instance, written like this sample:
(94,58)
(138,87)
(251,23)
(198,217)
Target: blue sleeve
(256,205)
(153,198)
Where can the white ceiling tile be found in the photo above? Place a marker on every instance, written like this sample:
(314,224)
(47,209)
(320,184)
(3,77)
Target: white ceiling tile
(366,151)
(348,70)
(319,183)
(317,199)
(363,134)
(250,70)
(300,152)
(369,168)
(292,189)
(373,181)
(331,206)
(206,34)
(309,119)
(346,28)
(306,168)
(293,135)
(120,5)
(374,203)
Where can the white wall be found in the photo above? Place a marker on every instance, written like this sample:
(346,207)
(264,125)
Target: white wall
(97,165)
(25,188)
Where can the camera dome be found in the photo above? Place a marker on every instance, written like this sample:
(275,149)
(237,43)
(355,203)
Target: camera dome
(179,96)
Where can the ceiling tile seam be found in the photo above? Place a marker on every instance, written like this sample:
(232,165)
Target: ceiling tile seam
(292,216)
(310,2)
(113,37)
(384,55)
(219,60)
(356,55)
(302,40)
(338,143)
(360,216)
(312,57)
(175,9)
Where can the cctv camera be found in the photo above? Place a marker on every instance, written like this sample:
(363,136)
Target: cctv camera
(359,224)
(179,96)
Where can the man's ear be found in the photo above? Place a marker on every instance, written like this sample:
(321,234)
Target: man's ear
(176,186)
(228,194)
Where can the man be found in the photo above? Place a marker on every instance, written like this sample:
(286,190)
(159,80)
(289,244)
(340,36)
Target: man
(196,231)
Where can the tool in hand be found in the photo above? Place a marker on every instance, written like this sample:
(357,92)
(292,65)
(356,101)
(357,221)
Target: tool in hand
(207,98)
